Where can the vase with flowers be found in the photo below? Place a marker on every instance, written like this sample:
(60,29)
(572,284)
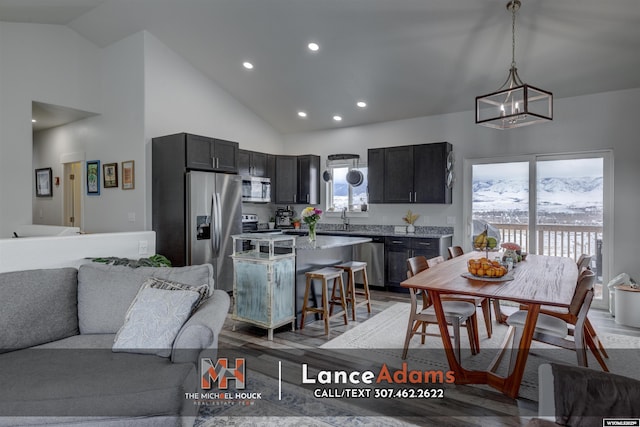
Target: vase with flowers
(410,218)
(311,216)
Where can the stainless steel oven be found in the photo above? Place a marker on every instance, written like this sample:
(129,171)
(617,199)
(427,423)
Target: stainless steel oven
(256,190)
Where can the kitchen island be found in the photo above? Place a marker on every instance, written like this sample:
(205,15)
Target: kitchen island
(326,251)
(269,274)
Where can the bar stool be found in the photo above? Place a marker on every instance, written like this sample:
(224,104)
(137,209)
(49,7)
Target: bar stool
(325,274)
(351,268)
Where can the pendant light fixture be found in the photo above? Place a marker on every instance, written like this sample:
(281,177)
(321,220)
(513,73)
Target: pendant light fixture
(515,104)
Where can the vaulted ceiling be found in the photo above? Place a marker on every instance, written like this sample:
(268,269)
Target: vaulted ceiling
(404,58)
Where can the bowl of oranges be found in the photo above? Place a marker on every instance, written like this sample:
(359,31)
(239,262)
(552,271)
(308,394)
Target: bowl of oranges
(484,267)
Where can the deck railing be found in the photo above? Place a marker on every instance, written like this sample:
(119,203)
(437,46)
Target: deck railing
(561,240)
(556,240)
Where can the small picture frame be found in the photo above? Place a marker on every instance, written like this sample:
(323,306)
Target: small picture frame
(44,184)
(128,175)
(110,175)
(93,177)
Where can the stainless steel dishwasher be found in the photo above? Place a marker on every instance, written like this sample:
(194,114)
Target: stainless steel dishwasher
(373,254)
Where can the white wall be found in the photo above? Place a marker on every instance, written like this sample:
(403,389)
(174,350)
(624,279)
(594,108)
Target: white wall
(594,122)
(179,98)
(138,87)
(114,135)
(46,63)
(118,135)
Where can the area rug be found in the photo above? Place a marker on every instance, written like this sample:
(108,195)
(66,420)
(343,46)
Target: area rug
(382,338)
(296,408)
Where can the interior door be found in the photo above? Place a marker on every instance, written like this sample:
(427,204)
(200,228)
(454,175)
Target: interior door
(72,190)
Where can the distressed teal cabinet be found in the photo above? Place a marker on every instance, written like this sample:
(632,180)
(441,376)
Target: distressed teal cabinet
(264,281)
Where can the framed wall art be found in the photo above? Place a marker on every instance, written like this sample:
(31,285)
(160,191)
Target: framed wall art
(128,175)
(93,177)
(44,184)
(110,175)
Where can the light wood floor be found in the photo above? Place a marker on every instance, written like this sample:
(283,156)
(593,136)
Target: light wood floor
(484,407)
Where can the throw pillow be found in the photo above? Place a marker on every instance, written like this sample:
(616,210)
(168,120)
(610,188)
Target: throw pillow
(158,283)
(154,320)
(105,292)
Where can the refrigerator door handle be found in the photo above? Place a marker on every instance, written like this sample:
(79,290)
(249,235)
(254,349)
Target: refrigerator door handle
(218,224)
(214,227)
(213,224)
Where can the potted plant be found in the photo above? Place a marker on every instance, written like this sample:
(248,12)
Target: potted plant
(296,223)
(272,223)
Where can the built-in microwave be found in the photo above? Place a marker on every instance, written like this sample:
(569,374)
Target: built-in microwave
(256,190)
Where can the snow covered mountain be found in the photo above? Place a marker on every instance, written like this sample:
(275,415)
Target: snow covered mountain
(555,195)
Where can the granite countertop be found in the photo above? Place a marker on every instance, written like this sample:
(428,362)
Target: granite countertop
(372,233)
(417,234)
(326,242)
(302,240)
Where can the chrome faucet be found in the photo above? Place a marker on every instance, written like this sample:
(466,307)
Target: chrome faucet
(345,220)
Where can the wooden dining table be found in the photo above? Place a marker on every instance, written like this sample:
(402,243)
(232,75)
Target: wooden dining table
(539,280)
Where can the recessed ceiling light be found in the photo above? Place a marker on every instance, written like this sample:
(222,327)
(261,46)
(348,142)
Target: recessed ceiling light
(314,47)
(302,114)
(33,120)
(361,104)
(337,118)
(247,65)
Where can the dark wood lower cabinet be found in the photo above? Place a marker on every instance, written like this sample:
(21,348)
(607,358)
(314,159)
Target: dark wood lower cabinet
(398,249)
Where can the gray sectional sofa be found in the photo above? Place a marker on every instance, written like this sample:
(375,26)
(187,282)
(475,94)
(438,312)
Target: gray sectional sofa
(57,364)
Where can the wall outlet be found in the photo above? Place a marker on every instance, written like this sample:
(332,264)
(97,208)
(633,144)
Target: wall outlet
(143,247)
(132,217)
(451,220)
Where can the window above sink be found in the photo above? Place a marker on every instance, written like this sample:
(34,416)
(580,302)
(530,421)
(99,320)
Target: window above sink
(340,193)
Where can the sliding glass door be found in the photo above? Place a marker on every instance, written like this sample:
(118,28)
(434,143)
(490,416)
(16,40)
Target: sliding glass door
(550,205)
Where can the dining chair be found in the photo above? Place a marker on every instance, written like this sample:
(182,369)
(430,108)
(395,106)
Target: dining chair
(584,261)
(591,336)
(435,261)
(555,331)
(455,251)
(456,312)
(484,303)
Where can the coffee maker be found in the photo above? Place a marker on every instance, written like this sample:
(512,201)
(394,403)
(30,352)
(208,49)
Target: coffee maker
(284,217)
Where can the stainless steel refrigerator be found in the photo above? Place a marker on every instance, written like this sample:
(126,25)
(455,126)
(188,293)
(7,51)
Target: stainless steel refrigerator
(214,214)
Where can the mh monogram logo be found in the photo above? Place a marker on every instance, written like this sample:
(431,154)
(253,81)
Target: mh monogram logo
(221,372)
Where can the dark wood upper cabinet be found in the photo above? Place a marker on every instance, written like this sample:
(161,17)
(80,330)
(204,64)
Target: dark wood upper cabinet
(308,179)
(199,152)
(398,176)
(286,188)
(271,169)
(430,173)
(297,179)
(210,154)
(252,163)
(409,174)
(226,155)
(375,178)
